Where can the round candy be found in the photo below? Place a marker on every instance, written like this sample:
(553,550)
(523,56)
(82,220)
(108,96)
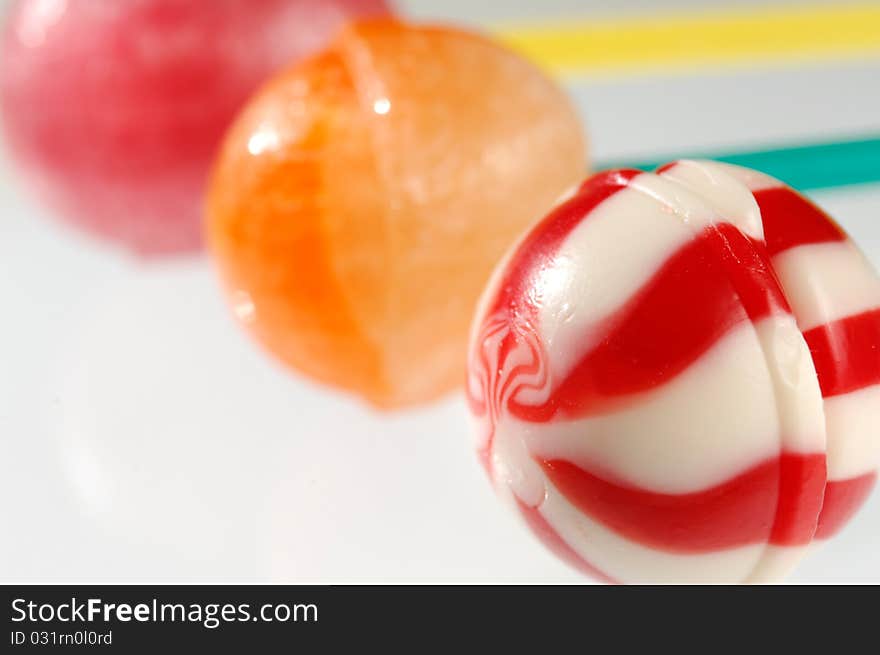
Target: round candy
(677,376)
(114,108)
(363,197)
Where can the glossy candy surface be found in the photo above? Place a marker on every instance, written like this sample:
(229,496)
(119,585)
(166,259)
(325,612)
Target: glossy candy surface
(668,369)
(114,108)
(363,197)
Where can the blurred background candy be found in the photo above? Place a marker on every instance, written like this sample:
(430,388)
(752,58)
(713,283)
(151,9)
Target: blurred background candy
(114,108)
(362,198)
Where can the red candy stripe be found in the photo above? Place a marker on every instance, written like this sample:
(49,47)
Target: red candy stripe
(846,353)
(711,284)
(777,501)
(791,220)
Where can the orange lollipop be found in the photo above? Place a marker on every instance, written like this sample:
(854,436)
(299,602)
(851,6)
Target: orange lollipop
(363,197)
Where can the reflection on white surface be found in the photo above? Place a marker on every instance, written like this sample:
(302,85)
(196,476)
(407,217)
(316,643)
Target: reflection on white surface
(178,436)
(185,455)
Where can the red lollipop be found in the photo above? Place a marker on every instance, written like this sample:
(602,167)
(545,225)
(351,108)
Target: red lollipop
(114,108)
(676,376)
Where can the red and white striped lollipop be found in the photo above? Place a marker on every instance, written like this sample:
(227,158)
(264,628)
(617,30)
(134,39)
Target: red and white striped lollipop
(645,395)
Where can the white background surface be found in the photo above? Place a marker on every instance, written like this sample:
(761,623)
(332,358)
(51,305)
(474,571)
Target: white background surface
(143,438)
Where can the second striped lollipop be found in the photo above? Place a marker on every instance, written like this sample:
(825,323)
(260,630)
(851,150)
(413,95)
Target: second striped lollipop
(669,368)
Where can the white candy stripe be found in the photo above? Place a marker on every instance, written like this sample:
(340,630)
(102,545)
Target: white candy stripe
(825,282)
(678,201)
(734,202)
(776,562)
(598,268)
(716,419)
(795,385)
(752,179)
(853,423)
(515,470)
